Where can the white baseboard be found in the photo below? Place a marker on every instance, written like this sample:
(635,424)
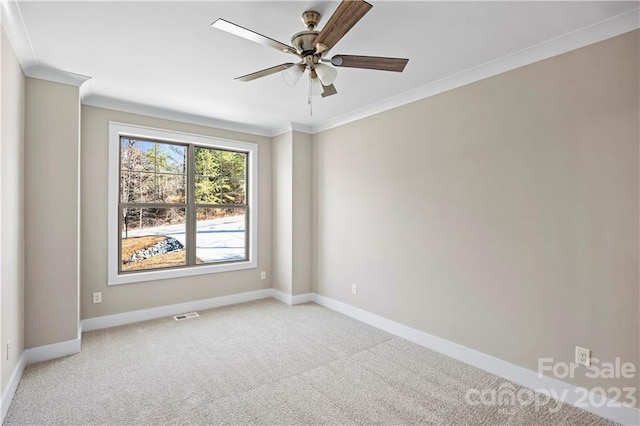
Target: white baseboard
(282,296)
(608,409)
(70,347)
(10,391)
(165,311)
(299,299)
(53,351)
(291,300)
(30,356)
(530,379)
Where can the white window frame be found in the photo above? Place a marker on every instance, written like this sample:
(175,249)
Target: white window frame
(115,131)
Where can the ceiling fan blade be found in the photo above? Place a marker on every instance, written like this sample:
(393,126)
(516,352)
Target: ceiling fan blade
(329,90)
(370,62)
(348,13)
(265,72)
(234,29)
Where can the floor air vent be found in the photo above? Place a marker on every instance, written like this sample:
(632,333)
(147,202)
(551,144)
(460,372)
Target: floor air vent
(189,315)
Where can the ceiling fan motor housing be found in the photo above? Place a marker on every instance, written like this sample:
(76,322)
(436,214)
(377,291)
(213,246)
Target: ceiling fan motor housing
(303,42)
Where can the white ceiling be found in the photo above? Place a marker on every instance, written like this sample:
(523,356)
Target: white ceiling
(164,56)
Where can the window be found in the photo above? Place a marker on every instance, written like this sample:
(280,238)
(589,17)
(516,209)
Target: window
(179,204)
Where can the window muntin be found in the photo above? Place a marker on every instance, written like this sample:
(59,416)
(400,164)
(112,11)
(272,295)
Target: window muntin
(185,204)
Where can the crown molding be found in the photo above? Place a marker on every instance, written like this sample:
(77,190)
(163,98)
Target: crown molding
(287,128)
(167,114)
(292,127)
(13,23)
(55,75)
(612,27)
(16,31)
(302,128)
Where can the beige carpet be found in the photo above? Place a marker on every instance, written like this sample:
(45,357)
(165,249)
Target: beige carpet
(262,363)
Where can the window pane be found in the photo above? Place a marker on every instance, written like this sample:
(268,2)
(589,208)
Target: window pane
(152,238)
(133,154)
(220,235)
(207,190)
(207,161)
(169,158)
(233,164)
(232,191)
(136,187)
(152,172)
(210,190)
(145,187)
(170,188)
(152,156)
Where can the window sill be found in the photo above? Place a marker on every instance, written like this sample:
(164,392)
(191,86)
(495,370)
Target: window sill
(136,277)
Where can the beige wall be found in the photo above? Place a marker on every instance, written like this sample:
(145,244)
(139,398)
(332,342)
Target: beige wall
(52,130)
(302,212)
(282,158)
(12,210)
(292,212)
(130,297)
(502,216)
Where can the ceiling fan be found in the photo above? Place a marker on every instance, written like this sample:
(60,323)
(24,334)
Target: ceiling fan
(311,46)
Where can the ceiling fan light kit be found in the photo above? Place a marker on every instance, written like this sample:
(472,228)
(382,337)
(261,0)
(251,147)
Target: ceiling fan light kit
(311,45)
(326,74)
(292,75)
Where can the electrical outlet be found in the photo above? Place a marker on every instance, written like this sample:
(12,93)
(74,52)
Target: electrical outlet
(583,356)
(354,288)
(263,275)
(97,297)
